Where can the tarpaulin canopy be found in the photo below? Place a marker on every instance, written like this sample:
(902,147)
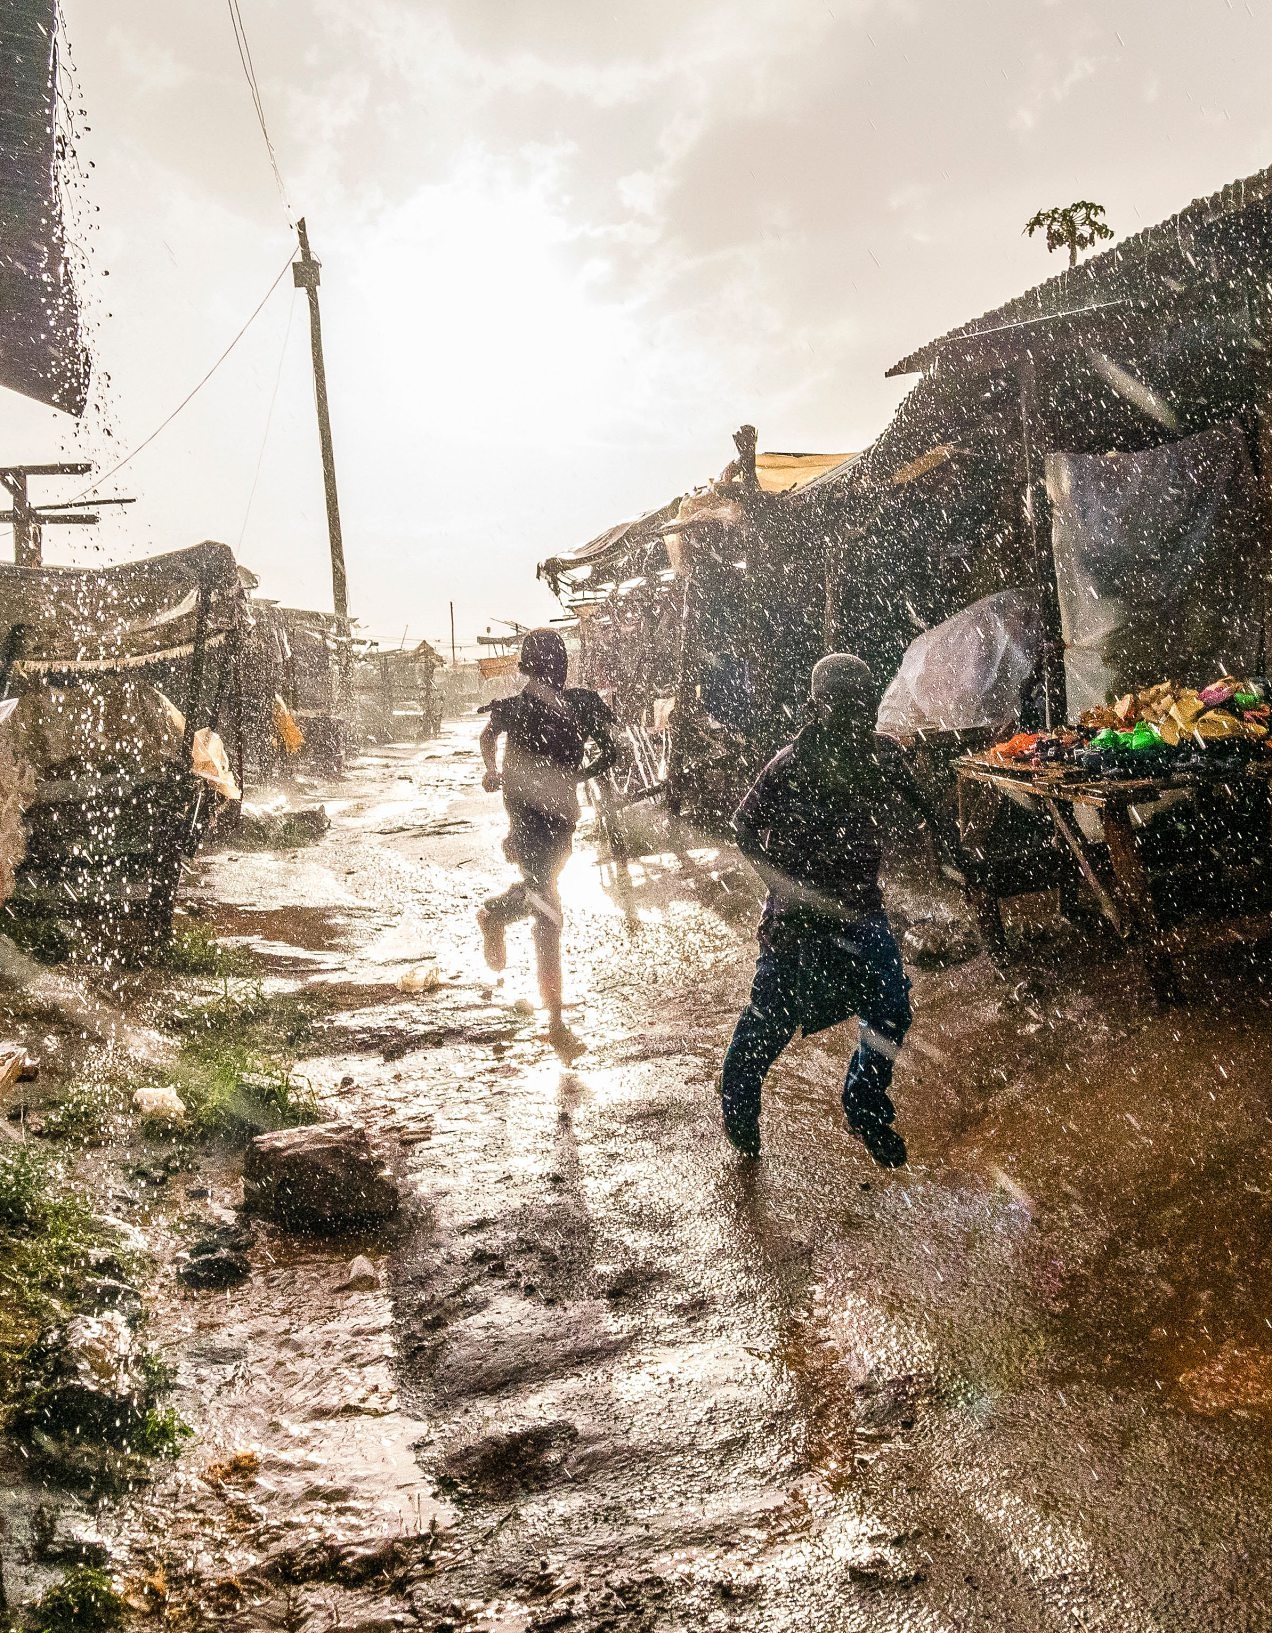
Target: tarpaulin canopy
(1158,565)
(42,352)
(69,619)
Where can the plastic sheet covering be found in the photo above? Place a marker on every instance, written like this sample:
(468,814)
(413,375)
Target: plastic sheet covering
(1157,565)
(210,761)
(290,737)
(120,722)
(110,618)
(42,351)
(969,671)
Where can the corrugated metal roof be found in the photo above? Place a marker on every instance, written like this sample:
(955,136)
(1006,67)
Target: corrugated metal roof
(611,543)
(1112,278)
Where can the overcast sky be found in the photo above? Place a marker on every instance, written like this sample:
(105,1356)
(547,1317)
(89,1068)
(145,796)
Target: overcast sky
(569,246)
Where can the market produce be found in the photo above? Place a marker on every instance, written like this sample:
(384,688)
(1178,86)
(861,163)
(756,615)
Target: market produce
(1151,730)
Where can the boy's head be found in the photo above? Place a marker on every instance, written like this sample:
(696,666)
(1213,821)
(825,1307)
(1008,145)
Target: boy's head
(842,693)
(543,656)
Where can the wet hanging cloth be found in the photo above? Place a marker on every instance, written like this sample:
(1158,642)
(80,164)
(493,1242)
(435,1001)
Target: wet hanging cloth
(1158,565)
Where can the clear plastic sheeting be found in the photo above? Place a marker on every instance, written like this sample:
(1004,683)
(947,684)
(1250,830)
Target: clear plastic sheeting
(1157,565)
(968,672)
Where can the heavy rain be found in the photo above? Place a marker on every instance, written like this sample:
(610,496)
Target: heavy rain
(635,937)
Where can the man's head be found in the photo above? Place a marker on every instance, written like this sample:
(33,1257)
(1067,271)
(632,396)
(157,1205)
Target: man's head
(543,656)
(842,692)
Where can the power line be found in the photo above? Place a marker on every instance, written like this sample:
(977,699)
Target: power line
(190,395)
(249,71)
(269,420)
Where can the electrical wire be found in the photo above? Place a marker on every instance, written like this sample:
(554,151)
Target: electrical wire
(269,420)
(190,395)
(249,71)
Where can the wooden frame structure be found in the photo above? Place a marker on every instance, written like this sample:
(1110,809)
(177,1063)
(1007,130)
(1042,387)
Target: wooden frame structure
(1161,906)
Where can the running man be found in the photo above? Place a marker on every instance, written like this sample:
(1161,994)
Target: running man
(812,828)
(547,728)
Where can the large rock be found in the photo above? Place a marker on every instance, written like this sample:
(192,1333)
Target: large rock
(324,1178)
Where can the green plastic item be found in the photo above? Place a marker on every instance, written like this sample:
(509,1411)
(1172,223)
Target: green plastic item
(1144,736)
(1246,700)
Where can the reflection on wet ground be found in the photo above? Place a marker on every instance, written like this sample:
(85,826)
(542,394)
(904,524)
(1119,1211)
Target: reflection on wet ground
(632,1383)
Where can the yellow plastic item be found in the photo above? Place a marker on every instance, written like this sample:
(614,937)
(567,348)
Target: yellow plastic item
(290,737)
(1217,724)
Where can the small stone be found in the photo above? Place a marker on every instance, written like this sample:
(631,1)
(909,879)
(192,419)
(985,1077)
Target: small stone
(107,1293)
(423,978)
(936,942)
(68,1539)
(100,1350)
(362,1277)
(211,1272)
(159,1104)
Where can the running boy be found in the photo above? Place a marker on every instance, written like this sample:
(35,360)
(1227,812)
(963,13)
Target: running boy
(547,728)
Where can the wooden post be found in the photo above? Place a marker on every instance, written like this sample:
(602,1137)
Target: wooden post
(28,520)
(454,660)
(744,440)
(1027,376)
(306,273)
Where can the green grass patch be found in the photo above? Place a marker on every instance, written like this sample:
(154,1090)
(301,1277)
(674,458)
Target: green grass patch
(237,1069)
(53,1258)
(84,1601)
(46,1235)
(86,1114)
(193,949)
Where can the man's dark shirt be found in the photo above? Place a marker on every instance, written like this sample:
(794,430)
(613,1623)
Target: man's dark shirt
(822,833)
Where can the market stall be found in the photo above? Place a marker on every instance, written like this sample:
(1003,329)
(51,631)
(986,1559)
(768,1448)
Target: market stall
(120,676)
(1159,801)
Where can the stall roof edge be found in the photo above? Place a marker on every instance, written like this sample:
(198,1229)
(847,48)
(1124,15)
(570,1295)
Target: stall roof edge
(1078,290)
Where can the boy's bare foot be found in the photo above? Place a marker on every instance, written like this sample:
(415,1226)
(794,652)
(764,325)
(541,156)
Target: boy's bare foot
(494,941)
(567,1044)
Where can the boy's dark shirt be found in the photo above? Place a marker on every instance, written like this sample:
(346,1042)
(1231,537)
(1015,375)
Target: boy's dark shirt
(559,735)
(821,833)
(547,737)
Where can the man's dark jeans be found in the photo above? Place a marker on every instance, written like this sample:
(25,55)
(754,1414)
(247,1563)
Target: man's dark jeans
(808,986)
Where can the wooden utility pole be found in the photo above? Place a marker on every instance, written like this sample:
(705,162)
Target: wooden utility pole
(29,521)
(454,660)
(307,275)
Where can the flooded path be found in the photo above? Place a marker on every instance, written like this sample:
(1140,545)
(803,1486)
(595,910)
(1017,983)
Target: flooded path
(615,1378)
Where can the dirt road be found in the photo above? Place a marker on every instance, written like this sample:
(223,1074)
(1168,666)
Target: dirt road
(616,1378)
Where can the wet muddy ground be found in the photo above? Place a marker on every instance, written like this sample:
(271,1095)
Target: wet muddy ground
(615,1377)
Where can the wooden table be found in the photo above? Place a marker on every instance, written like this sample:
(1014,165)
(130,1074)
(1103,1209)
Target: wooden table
(1114,869)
